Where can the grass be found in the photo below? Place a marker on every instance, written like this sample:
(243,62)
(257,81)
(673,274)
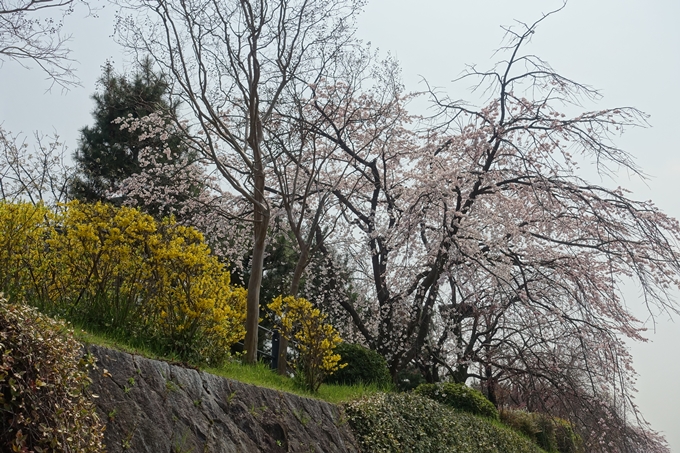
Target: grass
(262,376)
(112,341)
(259,374)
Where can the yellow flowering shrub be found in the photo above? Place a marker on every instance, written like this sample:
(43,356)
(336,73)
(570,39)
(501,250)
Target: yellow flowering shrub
(298,320)
(197,310)
(23,230)
(117,269)
(99,263)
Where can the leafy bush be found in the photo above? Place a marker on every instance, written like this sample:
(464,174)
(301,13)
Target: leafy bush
(299,320)
(550,433)
(361,365)
(118,270)
(408,422)
(195,310)
(567,440)
(42,378)
(98,265)
(408,379)
(459,396)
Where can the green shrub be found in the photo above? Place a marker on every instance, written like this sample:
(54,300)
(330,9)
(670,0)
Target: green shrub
(364,366)
(567,440)
(408,379)
(545,436)
(42,378)
(550,433)
(459,396)
(521,421)
(410,423)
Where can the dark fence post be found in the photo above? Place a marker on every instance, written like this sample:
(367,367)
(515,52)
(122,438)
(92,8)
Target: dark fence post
(276,337)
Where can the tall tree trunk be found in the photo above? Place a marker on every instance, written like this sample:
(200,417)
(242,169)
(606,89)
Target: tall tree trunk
(261,223)
(254,283)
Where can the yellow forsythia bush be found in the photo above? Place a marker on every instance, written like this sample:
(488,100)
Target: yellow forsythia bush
(197,310)
(298,320)
(23,230)
(117,269)
(99,264)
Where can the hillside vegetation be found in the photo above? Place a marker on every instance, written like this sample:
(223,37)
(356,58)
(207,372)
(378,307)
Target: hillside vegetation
(407,422)
(382,422)
(154,288)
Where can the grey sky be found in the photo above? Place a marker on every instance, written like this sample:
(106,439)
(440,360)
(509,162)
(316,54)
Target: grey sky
(629,49)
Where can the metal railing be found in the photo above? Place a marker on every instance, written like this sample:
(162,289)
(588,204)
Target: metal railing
(270,354)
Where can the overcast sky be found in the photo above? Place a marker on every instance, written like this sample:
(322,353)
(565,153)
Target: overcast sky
(628,49)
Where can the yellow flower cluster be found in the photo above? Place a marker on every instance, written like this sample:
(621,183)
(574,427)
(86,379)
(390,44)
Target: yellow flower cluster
(117,268)
(299,320)
(23,227)
(98,263)
(193,295)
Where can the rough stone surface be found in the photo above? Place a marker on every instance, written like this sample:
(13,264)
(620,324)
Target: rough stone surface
(156,407)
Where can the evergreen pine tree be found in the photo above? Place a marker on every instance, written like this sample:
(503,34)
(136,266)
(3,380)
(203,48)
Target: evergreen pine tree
(106,155)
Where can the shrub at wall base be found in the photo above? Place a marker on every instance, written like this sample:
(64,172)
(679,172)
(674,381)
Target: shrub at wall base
(298,320)
(42,382)
(360,366)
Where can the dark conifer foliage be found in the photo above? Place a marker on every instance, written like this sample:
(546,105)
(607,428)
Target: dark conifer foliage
(107,154)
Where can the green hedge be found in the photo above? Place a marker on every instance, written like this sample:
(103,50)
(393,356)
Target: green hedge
(410,423)
(552,434)
(364,366)
(459,396)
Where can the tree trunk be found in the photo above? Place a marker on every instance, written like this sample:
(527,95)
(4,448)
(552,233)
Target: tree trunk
(490,385)
(260,225)
(254,283)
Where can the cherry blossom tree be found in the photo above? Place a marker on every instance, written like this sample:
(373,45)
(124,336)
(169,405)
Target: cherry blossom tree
(302,187)
(485,252)
(233,63)
(374,148)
